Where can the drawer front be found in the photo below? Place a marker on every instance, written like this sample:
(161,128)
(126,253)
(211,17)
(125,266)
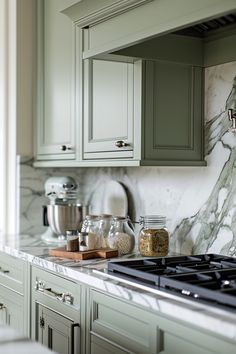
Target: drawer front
(58,294)
(101,346)
(12,272)
(124,325)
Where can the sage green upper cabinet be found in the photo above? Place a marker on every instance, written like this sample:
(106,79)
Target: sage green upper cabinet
(173,127)
(146,112)
(108,109)
(55,105)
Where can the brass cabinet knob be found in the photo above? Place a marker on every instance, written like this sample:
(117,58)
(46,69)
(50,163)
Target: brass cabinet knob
(120,144)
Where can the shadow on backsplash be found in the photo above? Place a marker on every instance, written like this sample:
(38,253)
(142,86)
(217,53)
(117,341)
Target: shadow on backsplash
(199,202)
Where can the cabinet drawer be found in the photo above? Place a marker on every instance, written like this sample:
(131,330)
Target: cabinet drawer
(12,272)
(58,294)
(101,346)
(124,325)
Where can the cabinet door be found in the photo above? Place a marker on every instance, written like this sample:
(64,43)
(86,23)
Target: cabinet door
(57,332)
(55,128)
(108,109)
(173,122)
(122,326)
(12,310)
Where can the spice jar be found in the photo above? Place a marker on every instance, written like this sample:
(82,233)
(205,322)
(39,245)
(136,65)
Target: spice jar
(104,225)
(87,241)
(90,225)
(72,244)
(153,237)
(121,235)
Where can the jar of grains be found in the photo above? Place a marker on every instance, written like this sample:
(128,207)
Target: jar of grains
(90,225)
(121,235)
(153,236)
(104,225)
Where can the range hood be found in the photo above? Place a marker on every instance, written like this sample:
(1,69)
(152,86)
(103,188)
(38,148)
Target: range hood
(111,25)
(206,28)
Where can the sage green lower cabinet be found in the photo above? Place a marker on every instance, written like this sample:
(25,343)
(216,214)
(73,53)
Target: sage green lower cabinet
(14,293)
(12,309)
(57,332)
(56,315)
(117,326)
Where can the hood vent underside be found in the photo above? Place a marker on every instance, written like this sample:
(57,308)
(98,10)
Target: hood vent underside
(205,28)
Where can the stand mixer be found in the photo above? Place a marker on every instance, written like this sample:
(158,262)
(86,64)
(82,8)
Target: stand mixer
(63,213)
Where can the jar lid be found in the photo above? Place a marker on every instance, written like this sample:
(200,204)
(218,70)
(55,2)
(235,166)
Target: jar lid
(91,217)
(105,216)
(71,232)
(152,219)
(83,234)
(120,218)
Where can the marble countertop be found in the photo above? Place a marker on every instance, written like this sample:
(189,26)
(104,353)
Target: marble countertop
(91,272)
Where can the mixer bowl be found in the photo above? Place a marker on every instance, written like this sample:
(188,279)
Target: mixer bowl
(64,217)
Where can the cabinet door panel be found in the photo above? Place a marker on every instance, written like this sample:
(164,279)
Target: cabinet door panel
(55,106)
(108,115)
(173,112)
(56,331)
(12,310)
(124,325)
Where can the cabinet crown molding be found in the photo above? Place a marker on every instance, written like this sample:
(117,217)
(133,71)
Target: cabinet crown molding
(89,12)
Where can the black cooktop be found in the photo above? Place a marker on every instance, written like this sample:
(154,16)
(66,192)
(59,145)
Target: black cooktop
(208,277)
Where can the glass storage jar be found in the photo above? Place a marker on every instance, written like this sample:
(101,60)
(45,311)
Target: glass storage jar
(153,236)
(90,225)
(121,235)
(104,225)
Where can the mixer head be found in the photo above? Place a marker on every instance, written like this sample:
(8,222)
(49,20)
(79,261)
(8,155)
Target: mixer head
(61,189)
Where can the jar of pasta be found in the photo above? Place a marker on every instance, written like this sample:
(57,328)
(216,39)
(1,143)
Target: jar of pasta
(153,236)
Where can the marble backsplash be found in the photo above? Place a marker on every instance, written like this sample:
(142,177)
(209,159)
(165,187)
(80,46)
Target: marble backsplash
(199,202)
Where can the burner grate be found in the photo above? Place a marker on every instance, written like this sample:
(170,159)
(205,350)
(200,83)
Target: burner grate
(210,277)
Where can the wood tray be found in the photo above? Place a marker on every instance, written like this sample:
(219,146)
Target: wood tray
(99,253)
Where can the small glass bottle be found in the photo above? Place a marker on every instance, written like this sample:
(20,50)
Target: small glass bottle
(153,236)
(104,225)
(121,235)
(90,225)
(72,244)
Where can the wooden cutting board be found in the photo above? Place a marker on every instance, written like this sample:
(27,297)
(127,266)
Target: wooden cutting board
(99,253)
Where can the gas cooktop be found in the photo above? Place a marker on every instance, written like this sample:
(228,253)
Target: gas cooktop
(210,277)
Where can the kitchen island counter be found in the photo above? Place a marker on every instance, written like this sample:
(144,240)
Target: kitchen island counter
(92,272)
